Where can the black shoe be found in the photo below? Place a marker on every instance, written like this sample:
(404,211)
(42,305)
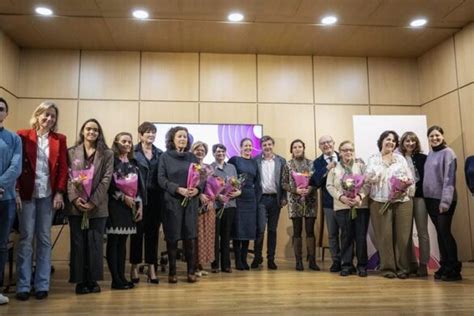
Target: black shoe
(135,280)
(313,265)
(402,275)
(438,274)
(245,265)
(344,272)
(362,272)
(299,265)
(335,267)
(256,263)
(451,276)
(22,296)
(41,295)
(94,287)
(120,286)
(271,265)
(82,288)
(152,281)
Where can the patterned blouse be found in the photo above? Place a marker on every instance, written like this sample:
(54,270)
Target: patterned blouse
(379,172)
(297,205)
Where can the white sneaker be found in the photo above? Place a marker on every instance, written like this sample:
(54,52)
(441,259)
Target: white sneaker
(3,299)
(198,274)
(204,273)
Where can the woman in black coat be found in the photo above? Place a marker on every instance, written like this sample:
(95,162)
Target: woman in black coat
(179,222)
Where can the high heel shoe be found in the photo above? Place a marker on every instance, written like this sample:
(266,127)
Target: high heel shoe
(152,281)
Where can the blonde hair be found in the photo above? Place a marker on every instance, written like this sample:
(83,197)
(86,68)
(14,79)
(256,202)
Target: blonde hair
(43,107)
(199,144)
(345,143)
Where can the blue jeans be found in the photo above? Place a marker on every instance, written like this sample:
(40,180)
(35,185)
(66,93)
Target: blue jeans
(7,216)
(35,223)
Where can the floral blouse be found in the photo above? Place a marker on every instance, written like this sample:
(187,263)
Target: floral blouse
(378,174)
(297,205)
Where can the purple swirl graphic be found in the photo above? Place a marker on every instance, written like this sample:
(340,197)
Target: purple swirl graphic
(231,135)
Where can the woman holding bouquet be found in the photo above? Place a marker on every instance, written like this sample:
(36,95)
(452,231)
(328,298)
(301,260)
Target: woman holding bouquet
(391,210)
(301,203)
(125,208)
(206,219)
(439,188)
(345,183)
(182,203)
(40,189)
(410,148)
(246,215)
(92,157)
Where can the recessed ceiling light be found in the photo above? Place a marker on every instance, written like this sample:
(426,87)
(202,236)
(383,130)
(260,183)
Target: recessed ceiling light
(235,17)
(328,20)
(44,11)
(141,14)
(418,22)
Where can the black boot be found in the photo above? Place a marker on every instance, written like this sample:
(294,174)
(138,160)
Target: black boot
(298,248)
(258,246)
(172,249)
(243,254)
(311,248)
(236,244)
(190,250)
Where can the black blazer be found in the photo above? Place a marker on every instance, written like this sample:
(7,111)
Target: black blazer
(419,160)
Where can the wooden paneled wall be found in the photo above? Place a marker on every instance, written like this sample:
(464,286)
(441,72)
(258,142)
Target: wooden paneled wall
(447,99)
(292,96)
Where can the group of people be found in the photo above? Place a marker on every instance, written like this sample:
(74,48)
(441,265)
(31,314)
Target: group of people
(133,189)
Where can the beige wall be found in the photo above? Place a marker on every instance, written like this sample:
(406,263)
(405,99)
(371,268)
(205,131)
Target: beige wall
(447,97)
(292,96)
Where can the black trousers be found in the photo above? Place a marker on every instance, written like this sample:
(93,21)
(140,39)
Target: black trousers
(272,214)
(447,244)
(298,226)
(148,230)
(116,252)
(222,243)
(189,253)
(353,230)
(86,261)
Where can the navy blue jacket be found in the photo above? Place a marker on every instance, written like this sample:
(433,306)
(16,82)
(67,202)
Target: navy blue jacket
(319,177)
(469,171)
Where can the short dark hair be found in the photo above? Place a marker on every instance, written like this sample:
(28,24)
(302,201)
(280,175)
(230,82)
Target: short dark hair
(215,147)
(297,141)
(2,100)
(266,138)
(169,139)
(116,149)
(100,143)
(243,140)
(146,127)
(410,136)
(435,128)
(384,135)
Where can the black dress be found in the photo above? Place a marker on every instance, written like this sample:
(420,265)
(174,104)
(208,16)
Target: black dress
(247,217)
(121,219)
(179,222)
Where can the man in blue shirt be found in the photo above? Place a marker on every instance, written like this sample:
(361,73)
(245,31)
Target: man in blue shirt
(10,169)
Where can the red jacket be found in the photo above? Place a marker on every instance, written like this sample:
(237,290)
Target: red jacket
(57,163)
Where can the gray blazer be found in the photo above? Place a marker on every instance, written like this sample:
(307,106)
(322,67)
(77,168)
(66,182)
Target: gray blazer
(103,170)
(280,163)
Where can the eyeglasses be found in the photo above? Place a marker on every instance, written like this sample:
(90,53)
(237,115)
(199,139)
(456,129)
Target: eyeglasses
(328,142)
(347,150)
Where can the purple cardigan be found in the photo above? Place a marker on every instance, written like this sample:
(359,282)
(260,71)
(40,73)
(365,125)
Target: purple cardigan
(440,176)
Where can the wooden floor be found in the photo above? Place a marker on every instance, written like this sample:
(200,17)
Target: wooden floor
(284,291)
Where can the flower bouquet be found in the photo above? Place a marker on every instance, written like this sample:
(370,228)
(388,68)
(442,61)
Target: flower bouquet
(128,185)
(301,180)
(82,179)
(351,185)
(232,184)
(214,186)
(398,187)
(196,173)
